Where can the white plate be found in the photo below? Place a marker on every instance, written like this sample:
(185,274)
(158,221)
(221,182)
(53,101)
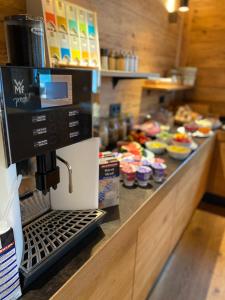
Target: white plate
(199,134)
(181,130)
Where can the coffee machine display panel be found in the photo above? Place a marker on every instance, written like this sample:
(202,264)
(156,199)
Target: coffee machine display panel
(44,109)
(55,90)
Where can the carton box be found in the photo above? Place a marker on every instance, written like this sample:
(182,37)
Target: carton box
(109,181)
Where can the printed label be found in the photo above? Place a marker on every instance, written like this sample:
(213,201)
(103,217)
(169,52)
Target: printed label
(109,170)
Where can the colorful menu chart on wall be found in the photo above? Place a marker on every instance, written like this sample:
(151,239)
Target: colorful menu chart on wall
(71,33)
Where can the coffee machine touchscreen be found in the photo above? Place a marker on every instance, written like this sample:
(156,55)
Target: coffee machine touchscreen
(55,90)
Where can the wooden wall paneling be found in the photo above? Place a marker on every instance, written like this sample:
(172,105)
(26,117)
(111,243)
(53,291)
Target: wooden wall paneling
(203,47)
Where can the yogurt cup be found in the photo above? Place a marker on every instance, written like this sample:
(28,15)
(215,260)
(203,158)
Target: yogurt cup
(128,175)
(143,175)
(145,162)
(158,172)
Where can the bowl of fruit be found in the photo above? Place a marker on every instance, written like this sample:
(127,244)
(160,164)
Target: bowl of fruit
(178,152)
(138,136)
(191,127)
(164,136)
(182,139)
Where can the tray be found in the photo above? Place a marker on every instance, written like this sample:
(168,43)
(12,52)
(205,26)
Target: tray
(52,235)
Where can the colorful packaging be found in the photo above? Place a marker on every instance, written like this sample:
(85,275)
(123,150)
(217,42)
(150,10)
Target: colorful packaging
(61,16)
(84,52)
(53,47)
(93,53)
(71,13)
(109,181)
(75,41)
(75,50)
(50,18)
(91,25)
(64,48)
(9,274)
(82,23)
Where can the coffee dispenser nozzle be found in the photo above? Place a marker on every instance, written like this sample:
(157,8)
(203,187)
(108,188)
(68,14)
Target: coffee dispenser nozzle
(47,174)
(69,172)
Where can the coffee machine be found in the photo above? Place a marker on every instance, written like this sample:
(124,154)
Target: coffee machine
(46,135)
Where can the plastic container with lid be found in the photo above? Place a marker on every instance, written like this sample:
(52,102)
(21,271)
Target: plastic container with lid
(128,175)
(25,40)
(159,173)
(143,175)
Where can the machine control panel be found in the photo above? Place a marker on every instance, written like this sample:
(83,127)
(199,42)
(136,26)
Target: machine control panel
(44,109)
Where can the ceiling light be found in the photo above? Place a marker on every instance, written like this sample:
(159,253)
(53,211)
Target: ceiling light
(183,6)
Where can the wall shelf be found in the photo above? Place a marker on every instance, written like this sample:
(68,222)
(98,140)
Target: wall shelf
(166,87)
(122,75)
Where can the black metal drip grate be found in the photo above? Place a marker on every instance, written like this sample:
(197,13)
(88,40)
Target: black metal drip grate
(53,233)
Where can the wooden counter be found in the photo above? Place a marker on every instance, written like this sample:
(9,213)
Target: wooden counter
(126,265)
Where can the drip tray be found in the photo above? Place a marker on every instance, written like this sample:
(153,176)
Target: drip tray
(48,238)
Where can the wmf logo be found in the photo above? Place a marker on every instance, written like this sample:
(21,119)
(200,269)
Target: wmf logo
(18,87)
(19,91)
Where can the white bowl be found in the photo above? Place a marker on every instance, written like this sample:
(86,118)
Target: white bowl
(158,150)
(178,155)
(188,145)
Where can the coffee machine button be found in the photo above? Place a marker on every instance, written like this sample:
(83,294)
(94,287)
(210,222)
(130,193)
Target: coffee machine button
(73,113)
(40,143)
(39,131)
(74,134)
(73,124)
(39,118)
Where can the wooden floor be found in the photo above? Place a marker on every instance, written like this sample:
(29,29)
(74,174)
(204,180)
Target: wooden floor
(196,269)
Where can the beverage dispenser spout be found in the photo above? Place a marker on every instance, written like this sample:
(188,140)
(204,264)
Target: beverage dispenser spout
(69,172)
(47,175)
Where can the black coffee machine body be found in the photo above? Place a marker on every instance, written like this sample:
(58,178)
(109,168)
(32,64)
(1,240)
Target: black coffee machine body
(44,110)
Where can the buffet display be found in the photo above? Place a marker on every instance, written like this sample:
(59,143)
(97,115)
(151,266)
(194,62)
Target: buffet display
(145,149)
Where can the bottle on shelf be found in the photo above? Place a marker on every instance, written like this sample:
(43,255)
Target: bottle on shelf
(112,60)
(104,59)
